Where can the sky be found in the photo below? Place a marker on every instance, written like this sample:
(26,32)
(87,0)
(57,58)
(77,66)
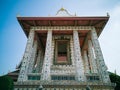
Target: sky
(13,39)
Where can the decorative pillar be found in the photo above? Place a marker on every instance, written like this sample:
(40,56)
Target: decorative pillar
(72,51)
(91,57)
(37,64)
(53,47)
(41,61)
(24,67)
(33,57)
(99,57)
(87,70)
(78,59)
(48,57)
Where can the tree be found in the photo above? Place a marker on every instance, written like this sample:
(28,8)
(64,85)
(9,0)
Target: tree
(115,79)
(6,83)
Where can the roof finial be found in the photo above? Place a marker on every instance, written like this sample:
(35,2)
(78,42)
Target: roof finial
(49,15)
(16,66)
(75,14)
(62,12)
(62,8)
(108,14)
(115,72)
(18,15)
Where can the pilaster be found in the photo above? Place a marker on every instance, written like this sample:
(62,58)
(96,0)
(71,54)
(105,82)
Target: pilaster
(91,57)
(53,48)
(33,57)
(41,61)
(48,57)
(72,51)
(99,57)
(78,58)
(24,67)
(87,70)
(37,67)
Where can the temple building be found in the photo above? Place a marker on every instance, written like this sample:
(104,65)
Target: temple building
(63,53)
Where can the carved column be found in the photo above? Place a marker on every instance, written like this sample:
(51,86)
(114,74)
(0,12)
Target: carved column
(25,61)
(99,57)
(91,57)
(47,58)
(78,59)
(41,61)
(87,70)
(72,51)
(53,47)
(32,58)
(37,67)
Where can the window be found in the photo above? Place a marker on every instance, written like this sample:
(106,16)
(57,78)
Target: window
(62,52)
(93,78)
(54,77)
(33,77)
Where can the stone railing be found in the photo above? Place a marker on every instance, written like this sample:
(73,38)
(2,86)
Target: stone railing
(62,69)
(34,74)
(91,74)
(65,82)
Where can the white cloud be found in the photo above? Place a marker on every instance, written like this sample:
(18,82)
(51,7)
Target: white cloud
(110,42)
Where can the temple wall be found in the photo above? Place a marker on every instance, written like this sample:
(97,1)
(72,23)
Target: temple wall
(63,53)
(26,58)
(84,60)
(67,88)
(63,88)
(99,57)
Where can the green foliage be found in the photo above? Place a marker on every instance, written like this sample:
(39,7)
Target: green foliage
(115,79)
(6,83)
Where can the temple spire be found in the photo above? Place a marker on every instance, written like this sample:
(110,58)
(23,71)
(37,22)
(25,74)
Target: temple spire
(63,12)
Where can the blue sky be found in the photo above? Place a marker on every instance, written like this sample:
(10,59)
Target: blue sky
(13,39)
